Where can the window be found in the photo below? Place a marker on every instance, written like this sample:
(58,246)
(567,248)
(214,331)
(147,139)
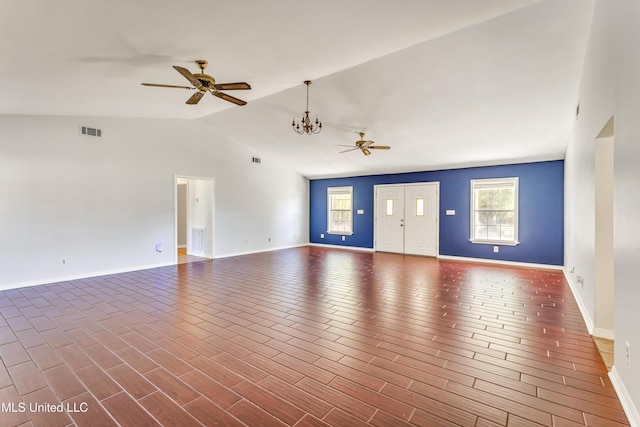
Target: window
(419,207)
(494,211)
(340,210)
(389,207)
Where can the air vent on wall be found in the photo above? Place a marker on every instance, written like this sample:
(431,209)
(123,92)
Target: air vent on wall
(198,239)
(255,160)
(85,130)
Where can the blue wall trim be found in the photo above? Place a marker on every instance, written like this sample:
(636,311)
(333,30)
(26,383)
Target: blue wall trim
(541,217)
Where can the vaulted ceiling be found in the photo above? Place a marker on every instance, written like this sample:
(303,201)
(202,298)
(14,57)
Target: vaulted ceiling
(446,83)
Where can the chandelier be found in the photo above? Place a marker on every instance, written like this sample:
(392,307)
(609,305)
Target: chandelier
(306,125)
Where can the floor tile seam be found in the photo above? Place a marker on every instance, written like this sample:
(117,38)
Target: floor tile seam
(442,400)
(182,407)
(86,389)
(304,412)
(517,403)
(551,355)
(618,409)
(335,408)
(540,372)
(136,402)
(375,392)
(578,374)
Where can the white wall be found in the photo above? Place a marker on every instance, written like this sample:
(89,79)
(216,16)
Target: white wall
(626,207)
(104,203)
(596,108)
(610,87)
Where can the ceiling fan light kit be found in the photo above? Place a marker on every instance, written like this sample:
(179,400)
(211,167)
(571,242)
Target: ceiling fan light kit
(306,125)
(204,83)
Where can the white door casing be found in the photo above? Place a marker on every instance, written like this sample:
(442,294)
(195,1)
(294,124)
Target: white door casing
(407,218)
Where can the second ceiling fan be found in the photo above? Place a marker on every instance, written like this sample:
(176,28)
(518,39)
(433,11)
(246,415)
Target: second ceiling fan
(365,146)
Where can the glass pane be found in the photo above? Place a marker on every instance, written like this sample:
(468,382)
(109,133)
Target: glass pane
(389,207)
(494,225)
(419,207)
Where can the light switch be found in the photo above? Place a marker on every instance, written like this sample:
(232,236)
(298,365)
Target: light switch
(360,211)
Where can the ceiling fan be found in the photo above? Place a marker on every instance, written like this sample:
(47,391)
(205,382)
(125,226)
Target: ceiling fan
(204,83)
(365,146)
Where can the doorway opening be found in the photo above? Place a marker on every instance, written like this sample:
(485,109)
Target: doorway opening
(603,330)
(406,218)
(194,219)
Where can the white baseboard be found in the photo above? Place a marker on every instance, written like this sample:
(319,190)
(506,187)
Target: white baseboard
(583,309)
(498,261)
(625,399)
(351,248)
(45,281)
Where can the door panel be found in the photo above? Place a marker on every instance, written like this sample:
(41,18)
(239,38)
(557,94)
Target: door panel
(421,220)
(389,219)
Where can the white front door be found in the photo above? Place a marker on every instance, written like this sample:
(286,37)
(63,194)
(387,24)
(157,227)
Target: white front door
(407,219)
(390,219)
(420,214)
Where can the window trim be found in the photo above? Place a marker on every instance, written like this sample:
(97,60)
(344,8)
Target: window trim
(339,190)
(476,184)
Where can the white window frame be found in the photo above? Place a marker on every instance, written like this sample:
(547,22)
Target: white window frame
(335,191)
(484,184)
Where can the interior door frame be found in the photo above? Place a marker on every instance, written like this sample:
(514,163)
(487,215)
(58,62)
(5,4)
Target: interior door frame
(210,225)
(407,184)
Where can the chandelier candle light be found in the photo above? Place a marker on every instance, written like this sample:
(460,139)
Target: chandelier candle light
(306,126)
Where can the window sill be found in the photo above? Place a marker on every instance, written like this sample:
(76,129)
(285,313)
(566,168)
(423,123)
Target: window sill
(494,242)
(339,233)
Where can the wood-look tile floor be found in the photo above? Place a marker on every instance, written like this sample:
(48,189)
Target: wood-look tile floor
(304,337)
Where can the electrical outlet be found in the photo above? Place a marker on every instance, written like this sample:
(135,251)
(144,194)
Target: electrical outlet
(322,236)
(627,355)
(344,238)
(580,280)
(496,249)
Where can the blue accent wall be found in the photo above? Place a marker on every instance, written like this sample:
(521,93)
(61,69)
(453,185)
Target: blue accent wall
(541,210)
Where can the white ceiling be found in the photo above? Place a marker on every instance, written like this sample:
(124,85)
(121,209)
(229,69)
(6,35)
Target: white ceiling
(446,83)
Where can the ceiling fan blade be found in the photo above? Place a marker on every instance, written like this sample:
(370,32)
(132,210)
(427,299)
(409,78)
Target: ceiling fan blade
(366,151)
(229,98)
(346,151)
(195,98)
(232,86)
(379,147)
(187,75)
(342,145)
(159,85)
